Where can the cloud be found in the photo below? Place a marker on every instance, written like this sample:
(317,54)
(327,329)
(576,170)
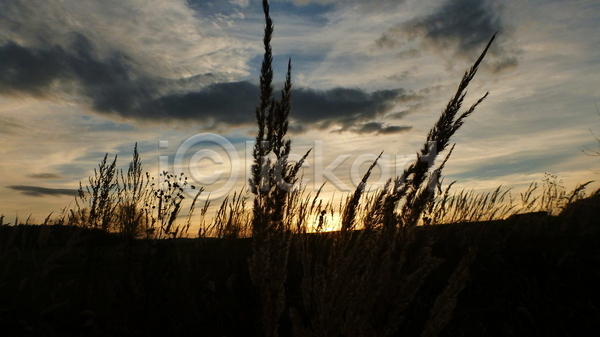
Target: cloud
(297,128)
(520,162)
(45,176)
(321,2)
(233,104)
(228,103)
(374,128)
(44,57)
(398,115)
(363,5)
(113,85)
(461,26)
(387,41)
(38,70)
(241,3)
(468,24)
(344,106)
(166,38)
(10,125)
(393,129)
(108,85)
(403,75)
(29,71)
(36,191)
(110,126)
(380,129)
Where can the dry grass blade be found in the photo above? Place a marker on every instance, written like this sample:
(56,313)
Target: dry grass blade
(352,204)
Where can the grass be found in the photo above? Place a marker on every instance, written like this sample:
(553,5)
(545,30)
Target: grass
(411,259)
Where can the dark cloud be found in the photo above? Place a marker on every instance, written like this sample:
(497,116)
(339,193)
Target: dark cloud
(375,128)
(30,71)
(468,24)
(392,129)
(37,191)
(110,85)
(113,85)
(46,56)
(461,26)
(229,103)
(233,103)
(45,176)
(343,106)
(370,127)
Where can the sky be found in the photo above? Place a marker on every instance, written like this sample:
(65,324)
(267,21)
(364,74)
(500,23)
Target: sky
(82,78)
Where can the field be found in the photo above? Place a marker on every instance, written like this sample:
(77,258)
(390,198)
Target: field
(414,258)
(522,276)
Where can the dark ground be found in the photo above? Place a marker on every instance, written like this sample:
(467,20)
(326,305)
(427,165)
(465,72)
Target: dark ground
(533,275)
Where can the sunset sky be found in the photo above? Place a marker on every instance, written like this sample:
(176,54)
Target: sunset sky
(81,78)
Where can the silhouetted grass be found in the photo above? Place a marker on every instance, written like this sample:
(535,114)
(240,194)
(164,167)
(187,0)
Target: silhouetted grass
(411,259)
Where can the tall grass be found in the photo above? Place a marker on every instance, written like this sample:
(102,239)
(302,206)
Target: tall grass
(131,203)
(271,182)
(367,279)
(334,280)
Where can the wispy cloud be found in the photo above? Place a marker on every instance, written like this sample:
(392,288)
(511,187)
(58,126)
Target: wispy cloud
(45,176)
(460,26)
(9,125)
(375,128)
(37,191)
